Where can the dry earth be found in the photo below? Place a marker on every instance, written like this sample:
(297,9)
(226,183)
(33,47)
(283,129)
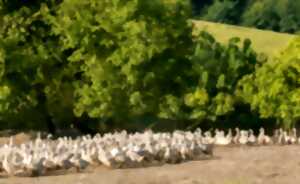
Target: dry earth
(231,165)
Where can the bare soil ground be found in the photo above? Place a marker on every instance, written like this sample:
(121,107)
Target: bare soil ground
(231,165)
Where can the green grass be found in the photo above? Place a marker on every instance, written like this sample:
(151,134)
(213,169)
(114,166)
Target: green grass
(268,42)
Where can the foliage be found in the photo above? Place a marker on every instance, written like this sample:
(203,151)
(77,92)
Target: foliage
(125,50)
(277,15)
(33,70)
(136,69)
(199,5)
(224,11)
(273,90)
(214,73)
(75,61)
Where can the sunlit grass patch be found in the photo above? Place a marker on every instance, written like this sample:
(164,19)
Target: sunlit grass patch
(268,42)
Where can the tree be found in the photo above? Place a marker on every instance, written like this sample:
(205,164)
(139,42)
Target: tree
(113,61)
(273,90)
(278,15)
(34,82)
(214,75)
(200,5)
(225,11)
(125,51)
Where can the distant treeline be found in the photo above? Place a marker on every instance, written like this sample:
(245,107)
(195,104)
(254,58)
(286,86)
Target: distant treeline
(277,15)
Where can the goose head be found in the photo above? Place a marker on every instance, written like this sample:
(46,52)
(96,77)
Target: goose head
(262,131)
(217,132)
(198,131)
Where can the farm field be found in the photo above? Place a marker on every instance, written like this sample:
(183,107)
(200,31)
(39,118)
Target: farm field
(268,42)
(152,90)
(231,165)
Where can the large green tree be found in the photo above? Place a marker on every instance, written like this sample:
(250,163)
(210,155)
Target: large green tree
(214,74)
(129,53)
(34,72)
(138,58)
(75,61)
(274,89)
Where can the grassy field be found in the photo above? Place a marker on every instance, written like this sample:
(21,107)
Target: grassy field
(268,42)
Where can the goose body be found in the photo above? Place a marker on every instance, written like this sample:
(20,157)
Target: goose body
(220,139)
(237,136)
(243,139)
(251,139)
(293,136)
(208,139)
(78,162)
(263,139)
(105,158)
(7,166)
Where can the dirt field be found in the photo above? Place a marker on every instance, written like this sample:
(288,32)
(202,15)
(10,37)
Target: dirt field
(231,165)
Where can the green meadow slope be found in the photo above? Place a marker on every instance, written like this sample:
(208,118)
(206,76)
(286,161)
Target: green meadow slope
(267,42)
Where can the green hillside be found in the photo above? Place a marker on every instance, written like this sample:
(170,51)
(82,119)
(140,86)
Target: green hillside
(268,42)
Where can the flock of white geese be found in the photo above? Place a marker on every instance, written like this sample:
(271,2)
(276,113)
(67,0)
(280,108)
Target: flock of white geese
(124,150)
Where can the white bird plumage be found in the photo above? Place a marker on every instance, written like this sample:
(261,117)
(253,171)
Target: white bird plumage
(122,149)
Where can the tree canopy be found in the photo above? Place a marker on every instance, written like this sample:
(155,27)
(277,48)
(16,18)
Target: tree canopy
(273,90)
(277,15)
(74,62)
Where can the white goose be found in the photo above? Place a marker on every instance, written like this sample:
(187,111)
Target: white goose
(119,149)
(243,139)
(251,139)
(7,166)
(78,162)
(105,158)
(220,138)
(237,136)
(263,139)
(119,157)
(208,139)
(293,136)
